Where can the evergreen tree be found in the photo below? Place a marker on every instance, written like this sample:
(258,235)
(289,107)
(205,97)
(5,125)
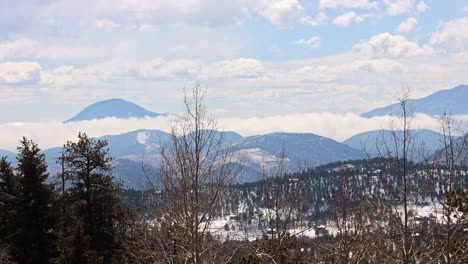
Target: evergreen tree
(9,193)
(33,241)
(94,200)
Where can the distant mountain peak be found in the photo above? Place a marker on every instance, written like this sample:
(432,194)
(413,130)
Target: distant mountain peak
(371,141)
(452,101)
(9,154)
(115,107)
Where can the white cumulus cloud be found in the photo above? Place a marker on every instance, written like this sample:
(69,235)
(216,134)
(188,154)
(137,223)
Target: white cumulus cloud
(162,69)
(407,25)
(19,48)
(201,12)
(453,34)
(421,7)
(315,74)
(364,4)
(313,42)
(242,68)
(318,20)
(388,45)
(282,13)
(347,19)
(27,48)
(379,66)
(13,95)
(19,72)
(398,7)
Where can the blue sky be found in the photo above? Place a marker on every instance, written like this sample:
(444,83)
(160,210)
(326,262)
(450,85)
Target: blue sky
(257,58)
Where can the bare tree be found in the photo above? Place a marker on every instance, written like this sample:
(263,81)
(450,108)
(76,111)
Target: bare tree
(448,170)
(282,200)
(396,189)
(195,170)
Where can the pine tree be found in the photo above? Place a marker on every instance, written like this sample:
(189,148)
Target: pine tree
(8,196)
(94,199)
(9,193)
(34,240)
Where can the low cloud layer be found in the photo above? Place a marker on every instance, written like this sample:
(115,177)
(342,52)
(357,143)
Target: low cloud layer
(335,126)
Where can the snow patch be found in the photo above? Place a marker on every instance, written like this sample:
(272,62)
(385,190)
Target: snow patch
(142,137)
(257,155)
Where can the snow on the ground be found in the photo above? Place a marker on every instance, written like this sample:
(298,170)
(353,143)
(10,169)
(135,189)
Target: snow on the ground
(230,228)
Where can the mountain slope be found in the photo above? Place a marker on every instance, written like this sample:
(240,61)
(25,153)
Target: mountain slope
(10,155)
(133,175)
(142,142)
(118,108)
(135,148)
(451,101)
(138,142)
(302,149)
(52,155)
(6,153)
(367,141)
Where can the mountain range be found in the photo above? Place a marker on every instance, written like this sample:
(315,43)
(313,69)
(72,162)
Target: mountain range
(137,152)
(304,150)
(451,101)
(10,155)
(136,149)
(372,142)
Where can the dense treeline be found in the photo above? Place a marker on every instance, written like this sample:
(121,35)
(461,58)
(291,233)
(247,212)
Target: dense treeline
(321,183)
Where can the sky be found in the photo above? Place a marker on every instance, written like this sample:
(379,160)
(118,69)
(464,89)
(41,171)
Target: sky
(262,61)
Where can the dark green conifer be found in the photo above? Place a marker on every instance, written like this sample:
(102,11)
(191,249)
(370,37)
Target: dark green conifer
(33,241)
(9,193)
(94,199)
